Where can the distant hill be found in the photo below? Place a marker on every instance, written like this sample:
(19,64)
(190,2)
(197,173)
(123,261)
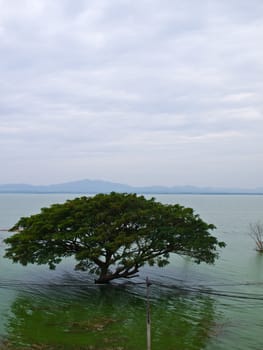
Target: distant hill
(100,186)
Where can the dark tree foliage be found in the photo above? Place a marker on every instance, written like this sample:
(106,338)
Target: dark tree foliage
(112,235)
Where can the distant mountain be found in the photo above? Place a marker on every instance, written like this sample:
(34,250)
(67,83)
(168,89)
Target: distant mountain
(100,186)
(89,186)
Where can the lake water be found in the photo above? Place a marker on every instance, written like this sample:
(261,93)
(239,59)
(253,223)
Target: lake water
(192,306)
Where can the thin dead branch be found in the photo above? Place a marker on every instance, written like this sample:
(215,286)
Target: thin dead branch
(256,233)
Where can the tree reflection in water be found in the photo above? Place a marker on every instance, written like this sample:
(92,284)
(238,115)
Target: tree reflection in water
(110,317)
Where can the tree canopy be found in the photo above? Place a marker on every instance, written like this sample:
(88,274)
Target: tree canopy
(112,235)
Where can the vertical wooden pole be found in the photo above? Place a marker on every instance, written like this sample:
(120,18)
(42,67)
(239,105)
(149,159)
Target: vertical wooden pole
(148,316)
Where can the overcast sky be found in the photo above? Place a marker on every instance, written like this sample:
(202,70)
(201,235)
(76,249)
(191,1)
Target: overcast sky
(164,92)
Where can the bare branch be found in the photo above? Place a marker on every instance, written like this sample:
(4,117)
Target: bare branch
(256,233)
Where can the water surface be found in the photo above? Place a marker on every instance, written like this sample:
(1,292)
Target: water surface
(192,306)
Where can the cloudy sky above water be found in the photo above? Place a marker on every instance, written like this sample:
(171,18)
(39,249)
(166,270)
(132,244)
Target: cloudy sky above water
(162,92)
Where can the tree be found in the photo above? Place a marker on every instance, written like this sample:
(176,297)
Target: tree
(112,235)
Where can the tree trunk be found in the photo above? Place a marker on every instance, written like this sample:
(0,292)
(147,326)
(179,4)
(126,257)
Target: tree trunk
(106,276)
(103,280)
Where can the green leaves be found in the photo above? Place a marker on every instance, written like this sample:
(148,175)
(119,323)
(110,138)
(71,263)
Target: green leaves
(112,235)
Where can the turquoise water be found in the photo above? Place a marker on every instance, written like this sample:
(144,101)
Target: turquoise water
(192,306)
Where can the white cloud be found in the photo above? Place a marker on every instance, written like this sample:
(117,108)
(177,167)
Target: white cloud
(130,89)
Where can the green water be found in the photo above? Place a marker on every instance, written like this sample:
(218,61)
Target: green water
(192,306)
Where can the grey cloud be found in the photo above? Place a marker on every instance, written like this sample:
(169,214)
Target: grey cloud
(160,82)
